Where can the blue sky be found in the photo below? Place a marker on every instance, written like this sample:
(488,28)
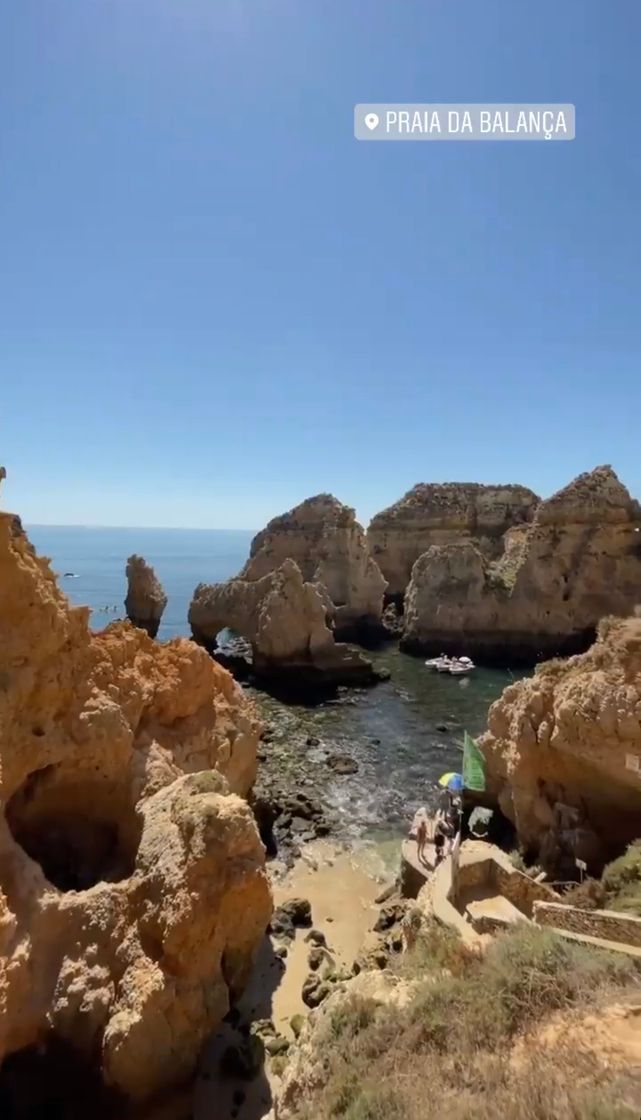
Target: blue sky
(215,302)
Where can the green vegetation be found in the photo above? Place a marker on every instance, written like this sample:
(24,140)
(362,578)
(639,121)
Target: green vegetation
(618,889)
(622,881)
(447,1051)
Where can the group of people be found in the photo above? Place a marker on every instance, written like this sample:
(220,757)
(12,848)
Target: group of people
(446,826)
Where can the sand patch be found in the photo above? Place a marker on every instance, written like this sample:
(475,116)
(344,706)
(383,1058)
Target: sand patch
(341,887)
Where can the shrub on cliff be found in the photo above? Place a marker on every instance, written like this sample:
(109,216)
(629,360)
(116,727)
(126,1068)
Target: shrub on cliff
(622,881)
(448,1052)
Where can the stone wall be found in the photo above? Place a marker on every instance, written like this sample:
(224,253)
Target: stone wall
(607,924)
(522,891)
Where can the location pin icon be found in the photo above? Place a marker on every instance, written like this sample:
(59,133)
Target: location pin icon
(371,120)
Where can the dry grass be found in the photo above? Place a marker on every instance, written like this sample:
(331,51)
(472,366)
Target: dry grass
(447,1054)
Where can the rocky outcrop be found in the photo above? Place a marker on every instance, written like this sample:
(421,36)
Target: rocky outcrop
(577,561)
(444,513)
(285,620)
(329,546)
(146,599)
(132,884)
(563,752)
(306,1072)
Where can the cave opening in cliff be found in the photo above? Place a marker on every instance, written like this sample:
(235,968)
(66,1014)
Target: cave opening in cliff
(79,826)
(53,1081)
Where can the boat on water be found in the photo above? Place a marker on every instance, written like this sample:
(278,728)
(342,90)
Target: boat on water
(456,666)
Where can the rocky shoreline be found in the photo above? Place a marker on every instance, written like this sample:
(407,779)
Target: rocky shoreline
(138,778)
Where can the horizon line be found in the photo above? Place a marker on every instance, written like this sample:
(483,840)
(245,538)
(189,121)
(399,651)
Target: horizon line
(144,528)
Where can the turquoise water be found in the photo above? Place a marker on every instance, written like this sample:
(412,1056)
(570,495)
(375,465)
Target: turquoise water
(396,774)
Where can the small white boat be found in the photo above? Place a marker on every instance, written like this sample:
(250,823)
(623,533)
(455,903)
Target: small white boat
(457,666)
(461,666)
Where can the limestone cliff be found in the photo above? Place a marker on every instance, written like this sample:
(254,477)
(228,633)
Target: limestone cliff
(444,513)
(577,561)
(285,620)
(146,599)
(329,546)
(563,751)
(132,884)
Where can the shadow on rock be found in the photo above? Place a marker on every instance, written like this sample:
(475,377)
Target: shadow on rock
(233,1082)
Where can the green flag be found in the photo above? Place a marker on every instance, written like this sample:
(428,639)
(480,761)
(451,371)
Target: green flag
(473,765)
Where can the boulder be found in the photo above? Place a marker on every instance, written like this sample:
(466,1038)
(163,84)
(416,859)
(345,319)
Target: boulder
(146,599)
(578,560)
(330,548)
(285,620)
(444,513)
(133,893)
(563,751)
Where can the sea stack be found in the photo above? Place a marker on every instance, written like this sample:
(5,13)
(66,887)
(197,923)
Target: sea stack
(329,546)
(577,560)
(133,892)
(146,599)
(285,618)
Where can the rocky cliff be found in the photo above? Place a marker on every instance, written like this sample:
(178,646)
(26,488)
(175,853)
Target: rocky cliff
(563,751)
(445,513)
(578,560)
(132,884)
(285,620)
(146,599)
(329,546)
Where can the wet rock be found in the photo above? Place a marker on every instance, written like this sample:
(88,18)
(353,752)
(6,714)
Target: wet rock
(298,910)
(342,764)
(444,727)
(315,959)
(390,914)
(315,990)
(277,1045)
(281,952)
(297,1022)
(316,937)
(281,925)
(312,741)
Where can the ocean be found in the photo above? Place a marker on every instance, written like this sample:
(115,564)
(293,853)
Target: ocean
(97,557)
(403,733)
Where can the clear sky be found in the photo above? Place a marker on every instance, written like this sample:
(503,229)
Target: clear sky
(215,302)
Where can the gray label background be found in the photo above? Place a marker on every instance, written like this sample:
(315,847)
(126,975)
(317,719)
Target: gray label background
(362,132)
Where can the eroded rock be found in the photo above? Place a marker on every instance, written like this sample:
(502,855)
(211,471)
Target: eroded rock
(330,548)
(132,885)
(563,747)
(578,560)
(444,513)
(146,599)
(285,620)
